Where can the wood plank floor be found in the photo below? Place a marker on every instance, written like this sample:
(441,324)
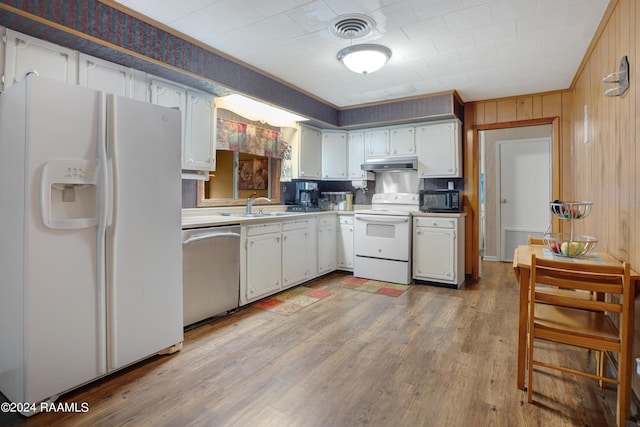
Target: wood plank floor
(431,357)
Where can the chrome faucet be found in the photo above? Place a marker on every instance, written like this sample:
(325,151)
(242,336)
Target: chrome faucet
(251,201)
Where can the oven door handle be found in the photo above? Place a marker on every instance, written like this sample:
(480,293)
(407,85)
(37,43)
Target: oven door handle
(382,219)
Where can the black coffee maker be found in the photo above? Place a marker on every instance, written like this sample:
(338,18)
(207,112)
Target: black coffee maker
(306,198)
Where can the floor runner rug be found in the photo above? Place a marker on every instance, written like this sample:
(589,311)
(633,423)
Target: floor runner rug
(293,300)
(374,286)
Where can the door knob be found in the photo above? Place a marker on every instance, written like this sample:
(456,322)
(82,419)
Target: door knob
(503,200)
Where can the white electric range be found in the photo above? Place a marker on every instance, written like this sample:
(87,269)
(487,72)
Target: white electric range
(382,238)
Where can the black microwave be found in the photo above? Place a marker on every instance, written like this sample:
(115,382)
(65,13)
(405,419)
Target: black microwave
(440,201)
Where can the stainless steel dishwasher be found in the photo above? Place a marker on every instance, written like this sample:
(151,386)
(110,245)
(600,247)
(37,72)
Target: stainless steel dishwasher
(210,272)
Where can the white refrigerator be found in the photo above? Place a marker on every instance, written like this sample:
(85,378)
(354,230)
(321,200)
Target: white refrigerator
(90,236)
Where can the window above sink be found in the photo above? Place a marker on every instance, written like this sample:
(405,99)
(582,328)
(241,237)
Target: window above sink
(247,162)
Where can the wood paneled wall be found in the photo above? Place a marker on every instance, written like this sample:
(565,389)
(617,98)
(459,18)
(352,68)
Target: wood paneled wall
(527,110)
(605,169)
(519,108)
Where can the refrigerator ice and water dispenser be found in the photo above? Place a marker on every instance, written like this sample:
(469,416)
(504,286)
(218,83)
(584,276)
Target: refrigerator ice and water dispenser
(68,194)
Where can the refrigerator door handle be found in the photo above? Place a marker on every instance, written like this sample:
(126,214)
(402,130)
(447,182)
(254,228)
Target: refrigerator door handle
(112,150)
(103,206)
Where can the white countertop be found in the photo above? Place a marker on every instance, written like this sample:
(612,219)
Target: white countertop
(211,217)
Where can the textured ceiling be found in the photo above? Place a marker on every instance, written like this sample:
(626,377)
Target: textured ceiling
(482,48)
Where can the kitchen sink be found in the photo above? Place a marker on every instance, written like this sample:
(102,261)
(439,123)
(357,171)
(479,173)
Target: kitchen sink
(256,214)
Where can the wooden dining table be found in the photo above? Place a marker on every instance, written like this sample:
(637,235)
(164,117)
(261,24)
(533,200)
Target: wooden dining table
(522,270)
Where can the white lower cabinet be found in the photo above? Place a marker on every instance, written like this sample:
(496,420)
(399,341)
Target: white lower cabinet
(313,246)
(277,255)
(344,250)
(295,252)
(326,243)
(438,250)
(263,261)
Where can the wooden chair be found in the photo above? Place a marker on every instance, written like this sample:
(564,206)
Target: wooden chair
(573,320)
(554,289)
(535,240)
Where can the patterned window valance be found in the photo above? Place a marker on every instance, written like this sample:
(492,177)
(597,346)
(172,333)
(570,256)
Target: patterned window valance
(245,138)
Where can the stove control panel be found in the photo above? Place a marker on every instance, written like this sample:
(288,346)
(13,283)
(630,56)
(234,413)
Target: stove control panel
(396,201)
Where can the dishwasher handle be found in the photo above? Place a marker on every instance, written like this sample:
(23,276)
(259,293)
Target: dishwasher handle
(207,236)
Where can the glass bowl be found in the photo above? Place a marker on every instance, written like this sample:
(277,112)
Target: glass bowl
(571,210)
(566,245)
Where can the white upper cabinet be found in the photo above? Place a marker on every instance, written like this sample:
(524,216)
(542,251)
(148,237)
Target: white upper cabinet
(355,156)
(24,53)
(198,123)
(169,95)
(439,150)
(402,141)
(376,142)
(112,78)
(310,153)
(198,150)
(391,141)
(334,155)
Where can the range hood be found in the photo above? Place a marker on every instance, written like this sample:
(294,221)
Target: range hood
(385,164)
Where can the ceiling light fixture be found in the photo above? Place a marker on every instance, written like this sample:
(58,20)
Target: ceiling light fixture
(364,58)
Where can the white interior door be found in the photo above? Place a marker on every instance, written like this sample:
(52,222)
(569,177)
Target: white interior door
(524,182)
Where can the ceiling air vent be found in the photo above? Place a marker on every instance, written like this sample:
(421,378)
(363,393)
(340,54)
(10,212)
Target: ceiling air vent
(352,26)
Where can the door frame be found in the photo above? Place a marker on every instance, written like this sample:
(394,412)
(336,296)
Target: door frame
(472,178)
(498,183)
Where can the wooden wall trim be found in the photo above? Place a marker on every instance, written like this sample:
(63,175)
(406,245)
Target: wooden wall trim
(471,193)
(515,124)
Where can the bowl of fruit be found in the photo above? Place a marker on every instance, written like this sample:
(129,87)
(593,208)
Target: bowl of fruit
(572,246)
